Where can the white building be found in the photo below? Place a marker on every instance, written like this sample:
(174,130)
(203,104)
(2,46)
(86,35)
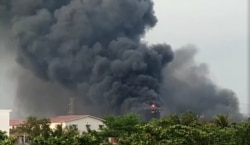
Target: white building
(5,120)
(82,122)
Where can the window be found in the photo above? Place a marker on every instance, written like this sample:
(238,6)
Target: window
(74,126)
(100,126)
(88,127)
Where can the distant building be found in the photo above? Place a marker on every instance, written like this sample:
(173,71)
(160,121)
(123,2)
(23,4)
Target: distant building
(4,121)
(15,123)
(82,122)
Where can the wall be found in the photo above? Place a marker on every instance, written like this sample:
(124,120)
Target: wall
(54,125)
(81,124)
(5,120)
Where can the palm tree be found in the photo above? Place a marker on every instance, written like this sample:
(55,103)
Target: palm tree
(222,121)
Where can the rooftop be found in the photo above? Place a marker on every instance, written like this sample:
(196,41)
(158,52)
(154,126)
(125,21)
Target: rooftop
(16,122)
(59,119)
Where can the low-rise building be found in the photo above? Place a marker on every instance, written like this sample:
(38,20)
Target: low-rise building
(15,123)
(82,122)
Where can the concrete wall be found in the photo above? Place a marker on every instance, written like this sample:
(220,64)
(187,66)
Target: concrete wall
(54,125)
(5,120)
(81,124)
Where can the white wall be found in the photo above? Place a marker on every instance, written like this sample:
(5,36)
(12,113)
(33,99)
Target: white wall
(5,120)
(81,124)
(54,125)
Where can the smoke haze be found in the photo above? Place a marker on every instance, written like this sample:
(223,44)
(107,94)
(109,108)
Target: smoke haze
(91,50)
(7,67)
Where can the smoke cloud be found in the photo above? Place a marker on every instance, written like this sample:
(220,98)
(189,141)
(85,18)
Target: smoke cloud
(7,63)
(92,50)
(187,86)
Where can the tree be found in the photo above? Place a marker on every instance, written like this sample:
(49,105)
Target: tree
(58,131)
(129,130)
(3,135)
(5,140)
(122,125)
(188,118)
(45,130)
(31,127)
(242,131)
(222,121)
(173,119)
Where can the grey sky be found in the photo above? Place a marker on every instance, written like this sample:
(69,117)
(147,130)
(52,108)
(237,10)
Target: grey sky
(218,28)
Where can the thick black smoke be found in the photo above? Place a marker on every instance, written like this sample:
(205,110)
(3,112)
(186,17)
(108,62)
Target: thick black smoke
(187,86)
(91,49)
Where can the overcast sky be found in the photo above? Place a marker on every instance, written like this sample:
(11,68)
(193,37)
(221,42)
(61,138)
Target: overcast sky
(218,28)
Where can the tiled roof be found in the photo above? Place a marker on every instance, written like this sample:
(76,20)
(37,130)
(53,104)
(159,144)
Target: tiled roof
(16,122)
(67,118)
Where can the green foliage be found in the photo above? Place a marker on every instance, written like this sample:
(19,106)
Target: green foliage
(34,127)
(130,130)
(222,121)
(3,135)
(5,140)
(121,125)
(188,118)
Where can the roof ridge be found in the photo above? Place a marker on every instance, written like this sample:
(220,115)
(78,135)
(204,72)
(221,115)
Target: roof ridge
(66,118)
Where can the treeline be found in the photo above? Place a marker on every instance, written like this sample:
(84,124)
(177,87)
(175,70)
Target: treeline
(187,129)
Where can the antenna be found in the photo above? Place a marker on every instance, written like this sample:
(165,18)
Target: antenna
(71,106)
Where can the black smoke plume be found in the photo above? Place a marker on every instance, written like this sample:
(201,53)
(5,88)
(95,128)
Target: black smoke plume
(91,50)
